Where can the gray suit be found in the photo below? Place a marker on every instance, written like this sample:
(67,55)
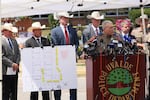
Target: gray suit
(32,42)
(88,32)
(9,56)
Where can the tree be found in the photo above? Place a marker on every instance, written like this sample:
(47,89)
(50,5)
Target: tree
(52,22)
(135,13)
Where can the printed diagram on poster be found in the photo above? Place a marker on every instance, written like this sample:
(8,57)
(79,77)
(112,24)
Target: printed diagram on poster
(49,68)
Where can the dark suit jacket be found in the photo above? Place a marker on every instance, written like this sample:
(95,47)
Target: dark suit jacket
(58,38)
(9,56)
(31,42)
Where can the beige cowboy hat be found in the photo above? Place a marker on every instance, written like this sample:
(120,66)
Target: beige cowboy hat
(64,14)
(14,29)
(96,15)
(7,26)
(139,19)
(36,25)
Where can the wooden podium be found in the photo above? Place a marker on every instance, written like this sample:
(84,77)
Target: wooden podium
(119,79)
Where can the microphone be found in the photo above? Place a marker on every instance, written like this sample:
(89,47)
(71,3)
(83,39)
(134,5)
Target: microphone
(110,48)
(95,42)
(134,47)
(114,47)
(102,46)
(131,44)
(133,41)
(90,48)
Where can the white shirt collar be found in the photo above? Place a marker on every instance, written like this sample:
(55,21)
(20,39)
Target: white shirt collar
(95,29)
(123,34)
(62,27)
(37,38)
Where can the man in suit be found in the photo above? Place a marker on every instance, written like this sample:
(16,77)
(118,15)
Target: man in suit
(125,26)
(37,41)
(64,35)
(93,29)
(10,63)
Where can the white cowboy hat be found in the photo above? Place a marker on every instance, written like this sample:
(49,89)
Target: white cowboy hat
(95,15)
(64,14)
(36,25)
(7,26)
(138,20)
(14,29)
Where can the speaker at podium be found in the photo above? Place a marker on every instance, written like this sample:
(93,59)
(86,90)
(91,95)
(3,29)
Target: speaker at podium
(122,78)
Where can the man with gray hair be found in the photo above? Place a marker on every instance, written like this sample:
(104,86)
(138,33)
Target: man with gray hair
(107,36)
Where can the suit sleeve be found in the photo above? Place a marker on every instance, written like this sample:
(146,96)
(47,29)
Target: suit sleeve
(29,43)
(54,37)
(76,42)
(5,60)
(18,56)
(86,34)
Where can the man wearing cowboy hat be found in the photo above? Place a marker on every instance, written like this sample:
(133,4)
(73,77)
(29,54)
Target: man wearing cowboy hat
(10,63)
(64,35)
(93,29)
(37,41)
(138,32)
(143,38)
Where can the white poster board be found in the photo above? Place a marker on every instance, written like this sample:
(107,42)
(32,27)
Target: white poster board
(49,68)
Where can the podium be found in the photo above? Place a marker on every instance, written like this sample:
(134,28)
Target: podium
(122,78)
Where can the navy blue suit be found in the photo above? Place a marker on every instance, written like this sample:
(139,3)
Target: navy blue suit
(58,38)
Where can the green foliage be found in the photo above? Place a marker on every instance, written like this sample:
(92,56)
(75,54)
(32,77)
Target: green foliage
(52,22)
(79,34)
(135,13)
(109,18)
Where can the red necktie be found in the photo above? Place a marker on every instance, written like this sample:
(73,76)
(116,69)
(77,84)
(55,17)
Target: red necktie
(67,36)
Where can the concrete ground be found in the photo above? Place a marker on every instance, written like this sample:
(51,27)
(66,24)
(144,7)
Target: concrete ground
(81,90)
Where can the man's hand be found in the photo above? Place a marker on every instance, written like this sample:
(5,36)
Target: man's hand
(15,66)
(91,39)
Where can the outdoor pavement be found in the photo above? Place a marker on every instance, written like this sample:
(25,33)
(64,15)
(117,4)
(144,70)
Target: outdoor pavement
(81,89)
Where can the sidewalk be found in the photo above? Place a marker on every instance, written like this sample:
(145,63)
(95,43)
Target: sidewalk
(81,90)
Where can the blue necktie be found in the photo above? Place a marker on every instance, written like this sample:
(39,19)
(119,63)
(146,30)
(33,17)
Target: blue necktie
(127,38)
(10,44)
